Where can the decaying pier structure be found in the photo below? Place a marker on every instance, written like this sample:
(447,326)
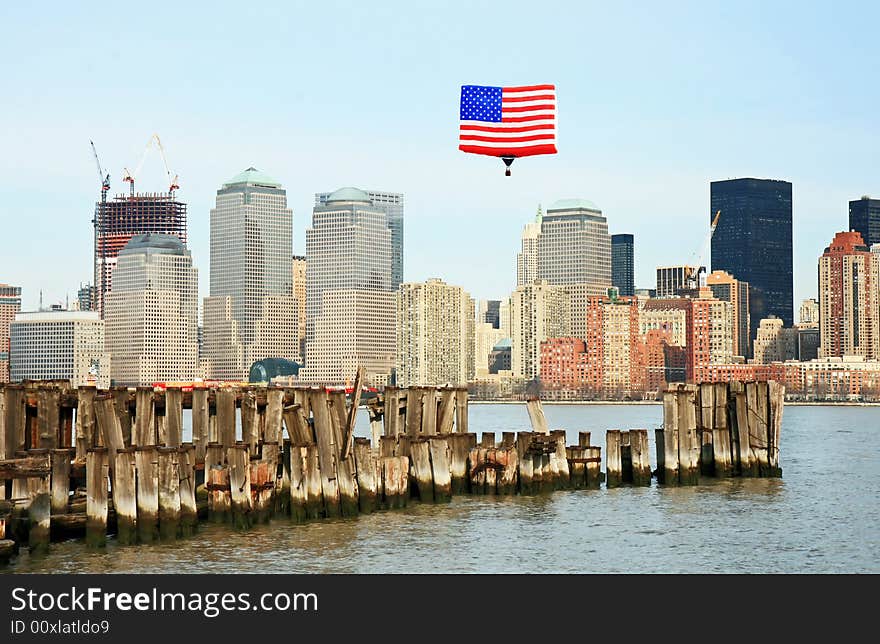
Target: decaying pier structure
(87,462)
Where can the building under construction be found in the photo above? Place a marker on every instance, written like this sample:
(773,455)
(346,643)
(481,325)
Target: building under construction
(124,216)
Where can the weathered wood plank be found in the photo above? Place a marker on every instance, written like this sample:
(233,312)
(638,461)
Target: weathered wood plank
(147,463)
(536,416)
(351,415)
(49,417)
(173,417)
(613,464)
(225,400)
(440,468)
(61,479)
(145,418)
(391,414)
(446,412)
(189,512)
(323,426)
(421,469)
(345,469)
(125,495)
(640,457)
(200,423)
(414,411)
(96,496)
(274,413)
(240,484)
(461,410)
(367,479)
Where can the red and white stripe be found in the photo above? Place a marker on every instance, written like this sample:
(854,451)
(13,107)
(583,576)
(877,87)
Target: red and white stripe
(527,127)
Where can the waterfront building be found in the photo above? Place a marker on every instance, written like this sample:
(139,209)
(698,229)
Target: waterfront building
(151,315)
(614,347)
(675,280)
(808,342)
(753,241)
(435,334)
(622,263)
(729,289)
(350,302)
(298,265)
(808,316)
(563,363)
(10,304)
(864,218)
(392,204)
(59,345)
(537,311)
(251,247)
(849,299)
(774,343)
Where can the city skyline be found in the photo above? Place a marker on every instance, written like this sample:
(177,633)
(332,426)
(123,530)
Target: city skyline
(649,171)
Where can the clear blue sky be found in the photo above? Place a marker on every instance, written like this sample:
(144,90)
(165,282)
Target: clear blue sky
(654,100)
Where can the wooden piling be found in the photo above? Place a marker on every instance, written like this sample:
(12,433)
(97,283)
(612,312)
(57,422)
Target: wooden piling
(109,428)
(48,417)
(593,466)
(315,503)
(487,440)
(217,484)
(508,460)
(536,416)
(508,439)
(639,457)
(189,512)
(274,416)
(96,496)
(145,418)
(613,464)
(667,441)
(367,475)
(39,514)
(61,479)
(525,465)
(298,490)
(421,469)
(262,485)
(446,411)
(461,410)
(123,413)
(85,422)
(225,399)
(759,423)
(705,424)
(200,423)
(298,428)
(323,426)
(576,466)
(429,411)
(459,447)
(491,473)
(440,468)
(240,484)
(125,495)
(249,434)
(583,439)
(689,443)
(391,413)
(477,460)
(563,475)
(147,462)
(776,392)
(173,417)
(345,468)
(747,464)
(414,411)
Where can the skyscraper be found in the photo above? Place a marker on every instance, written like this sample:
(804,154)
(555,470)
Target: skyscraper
(118,220)
(808,317)
(753,241)
(729,289)
(864,218)
(527,258)
(392,204)
(489,311)
(849,299)
(435,334)
(350,308)
(251,250)
(298,265)
(151,316)
(537,311)
(10,304)
(622,264)
(674,280)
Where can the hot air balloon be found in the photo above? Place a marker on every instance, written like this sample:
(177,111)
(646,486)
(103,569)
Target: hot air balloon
(507,122)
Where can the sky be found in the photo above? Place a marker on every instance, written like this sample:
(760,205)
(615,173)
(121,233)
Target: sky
(655,100)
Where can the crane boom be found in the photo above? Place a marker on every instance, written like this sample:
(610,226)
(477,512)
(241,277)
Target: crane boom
(130,176)
(698,258)
(102,177)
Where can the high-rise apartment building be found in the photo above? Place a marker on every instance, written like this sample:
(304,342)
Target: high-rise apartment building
(864,218)
(726,287)
(753,241)
(119,219)
(615,365)
(151,316)
(808,316)
(392,204)
(489,311)
(677,280)
(59,345)
(537,311)
(435,334)
(10,304)
(574,246)
(350,305)
(251,250)
(298,265)
(774,342)
(527,258)
(849,299)
(622,264)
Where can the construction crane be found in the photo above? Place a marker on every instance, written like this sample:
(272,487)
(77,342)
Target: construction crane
(694,271)
(130,176)
(102,177)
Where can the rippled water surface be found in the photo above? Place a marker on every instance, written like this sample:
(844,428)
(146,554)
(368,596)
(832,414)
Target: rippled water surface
(822,516)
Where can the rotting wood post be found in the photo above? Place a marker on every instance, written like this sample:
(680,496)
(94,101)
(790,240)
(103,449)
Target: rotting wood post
(225,400)
(508,439)
(85,421)
(640,457)
(240,484)
(249,433)
(96,496)
(705,425)
(147,462)
(747,465)
(189,512)
(759,433)
(39,514)
(421,469)
(315,505)
(429,411)
(61,479)
(282,488)
(109,428)
(298,428)
(349,418)
(583,439)
(173,417)
(298,490)
(461,410)
(525,464)
(145,418)
(123,413)
(323,426)
(375,425)
(576,466)
(491,471)
(365,463)
(488,440)
(259,476)
(345,468)
(689,443)
(508,461)
(776,392)
(536,416)
(217,484)
(387,446)
(270,456)
(391,413)
(459,446)
(49,417)
(440,468)
(446,411)
(563,475)
(613,464)
(125,496)
(388,466)
(477,460)
(200,421)
(593,466)
(667,441)
(414,411)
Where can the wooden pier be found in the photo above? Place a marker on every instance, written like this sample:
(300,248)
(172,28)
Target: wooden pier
(88,463)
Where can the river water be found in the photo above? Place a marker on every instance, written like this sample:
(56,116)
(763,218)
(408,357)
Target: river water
(823,516)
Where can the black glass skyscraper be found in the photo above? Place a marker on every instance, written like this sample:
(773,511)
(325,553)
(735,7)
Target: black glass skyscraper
(622,267)
(864,217)
(752,242)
